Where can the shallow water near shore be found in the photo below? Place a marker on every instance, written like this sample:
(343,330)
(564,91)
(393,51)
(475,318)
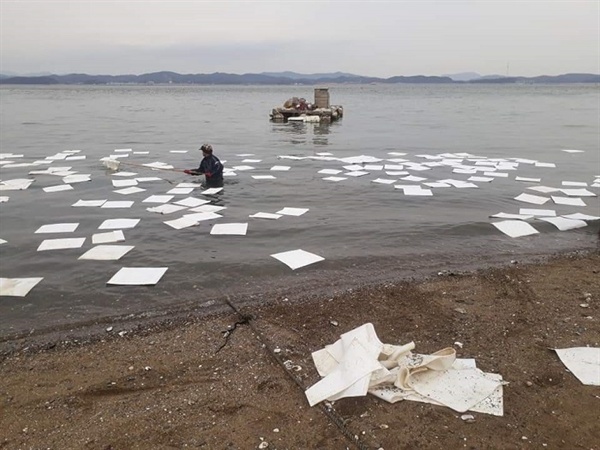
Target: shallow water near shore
(366,232)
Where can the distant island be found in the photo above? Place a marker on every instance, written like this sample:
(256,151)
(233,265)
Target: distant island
(288,78)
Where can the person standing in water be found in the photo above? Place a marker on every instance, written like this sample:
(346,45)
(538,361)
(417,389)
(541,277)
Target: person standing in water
(210,167)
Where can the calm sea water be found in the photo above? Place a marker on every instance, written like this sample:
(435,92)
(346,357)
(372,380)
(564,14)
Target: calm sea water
(366,232)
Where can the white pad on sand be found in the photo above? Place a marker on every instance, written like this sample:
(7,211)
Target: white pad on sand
(58,228)
(537,212)
(158,199)
(117,204)
(166,208)
(515,228)
(182,222)
(60,244)
(564,224)
(118,224)
(192,202)
(571,201)
(264,215)
(106,252)
(138,276)
(58,188)
(239,229)
(583,362)
(88,203)
(292,211)
(212,191)
(129,190)
(109,236)
(17,287)
(535,199)
(295,259)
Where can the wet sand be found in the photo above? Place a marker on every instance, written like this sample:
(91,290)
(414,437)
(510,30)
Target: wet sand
(218,379)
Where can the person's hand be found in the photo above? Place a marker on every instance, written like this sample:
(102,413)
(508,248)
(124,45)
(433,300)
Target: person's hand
(189,172)
(208,174)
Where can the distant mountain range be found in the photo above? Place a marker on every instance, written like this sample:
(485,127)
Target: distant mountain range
(288,78)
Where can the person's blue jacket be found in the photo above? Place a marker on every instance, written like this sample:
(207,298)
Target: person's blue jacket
(211,167)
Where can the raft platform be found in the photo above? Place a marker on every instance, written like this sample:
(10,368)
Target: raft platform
(298,110)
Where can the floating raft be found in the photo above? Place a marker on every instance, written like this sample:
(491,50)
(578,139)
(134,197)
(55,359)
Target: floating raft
(298,110)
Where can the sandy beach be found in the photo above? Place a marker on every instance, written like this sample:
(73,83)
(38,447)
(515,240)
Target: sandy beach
(236,380)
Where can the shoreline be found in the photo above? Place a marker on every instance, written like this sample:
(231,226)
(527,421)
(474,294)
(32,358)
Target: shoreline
(220,382)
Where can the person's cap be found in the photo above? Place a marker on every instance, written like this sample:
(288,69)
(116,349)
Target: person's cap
(206,148)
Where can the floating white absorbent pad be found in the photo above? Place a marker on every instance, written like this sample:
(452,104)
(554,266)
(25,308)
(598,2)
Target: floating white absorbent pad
(239,229)
(263,177)
(335,179)
(583,362)
(106,252)
(116,224)
(503,215)
(166,208)
(580,216)
(17,184)
(129,190)
(208,208)
(180,191)
(295,259)
(564,224)
(110,236)
(280,168)
(201,216)
(76,178)
(17,287)
(58,188)
(117,204)
(264,215)
(58,228)
(59,244)
(158,199)
(329,171)
(292,211)
(570,201)
(515,228)
(124,183)
(182,222)
(88,203)
(578,192)
(138,276)
(192,202)
(537,212)
(212,191)
(535,199)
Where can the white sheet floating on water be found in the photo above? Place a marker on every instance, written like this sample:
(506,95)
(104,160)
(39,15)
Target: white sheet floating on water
(2,241)
(58,188)
(117,204)
(116,224)
(542,164)
(265,215)
(356,173)
(180,191)
(212,191)
(383,181)
(166,208)
(564,224)
(147,179)
(242,168)
(17,287)
(544,189)
(124,183)
(192,202)
(515,228)
(60,244)
(110,236)
(4,199)
(574,183)
(182,222)
(202,216)
(129,190)
(58,228)
(107,252)
(88,203)
(568,150)
(263,177)
(292,211)
(208,208)
(583,362)
(335,179)
(238,229)
(18,184)
(417,191)
(512,216)
(158,199)
(535,199)
(481,179)
(76,178)
(295,259)
(537,212)
(329,171)
(578,193)
(137,276)
(579,216)
(124,174)
(280,168)
(528,180)
(359,363)
(571,201)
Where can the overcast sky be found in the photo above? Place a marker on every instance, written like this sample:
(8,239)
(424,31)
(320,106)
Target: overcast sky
(374,38)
